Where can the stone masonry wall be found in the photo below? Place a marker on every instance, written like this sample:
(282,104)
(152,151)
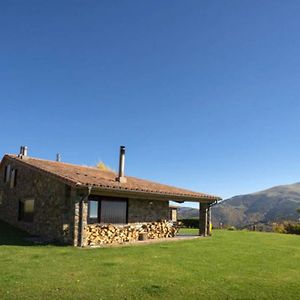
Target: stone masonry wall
(140,210)
(53,206)
(81,208)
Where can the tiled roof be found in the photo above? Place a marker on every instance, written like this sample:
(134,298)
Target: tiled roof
(79,176)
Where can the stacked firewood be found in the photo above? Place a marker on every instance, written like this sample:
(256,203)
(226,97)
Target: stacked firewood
(157,230)
(100,234)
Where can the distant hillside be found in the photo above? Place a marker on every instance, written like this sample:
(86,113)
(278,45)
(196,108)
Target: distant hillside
(271,205)
(187,213)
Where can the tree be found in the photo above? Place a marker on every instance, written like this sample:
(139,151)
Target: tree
(298,210)
(103,167)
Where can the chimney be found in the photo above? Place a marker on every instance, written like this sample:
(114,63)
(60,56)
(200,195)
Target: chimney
(121,178)
(23,151)
(58,157)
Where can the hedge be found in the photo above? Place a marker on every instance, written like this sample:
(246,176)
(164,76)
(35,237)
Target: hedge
(287,227)
(189,223)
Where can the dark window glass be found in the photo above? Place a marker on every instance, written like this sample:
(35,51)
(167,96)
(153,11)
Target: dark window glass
(93,209)
(107,210)
(113,211)
(67,191)
(26,210)
(16,177)
(7,174)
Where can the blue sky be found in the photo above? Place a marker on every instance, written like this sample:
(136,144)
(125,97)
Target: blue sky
(204,94)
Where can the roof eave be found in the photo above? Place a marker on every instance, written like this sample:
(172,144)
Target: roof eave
(121,192)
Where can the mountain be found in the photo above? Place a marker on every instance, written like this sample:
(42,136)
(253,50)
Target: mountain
(275,204)
(187,213)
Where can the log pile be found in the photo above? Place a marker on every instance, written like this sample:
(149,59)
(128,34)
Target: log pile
(101,234)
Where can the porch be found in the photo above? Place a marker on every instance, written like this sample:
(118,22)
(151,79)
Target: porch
(123,212)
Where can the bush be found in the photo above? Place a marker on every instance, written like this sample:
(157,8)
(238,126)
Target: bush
(287,227)
(279,228)
(231,228)
(293,228)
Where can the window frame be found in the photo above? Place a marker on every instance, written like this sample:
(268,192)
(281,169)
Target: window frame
(94,220)
(13,178)
(7,173)
(99,199)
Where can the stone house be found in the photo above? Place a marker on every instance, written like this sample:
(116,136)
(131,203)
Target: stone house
(57,200)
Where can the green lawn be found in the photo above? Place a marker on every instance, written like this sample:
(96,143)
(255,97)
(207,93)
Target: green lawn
(229,265)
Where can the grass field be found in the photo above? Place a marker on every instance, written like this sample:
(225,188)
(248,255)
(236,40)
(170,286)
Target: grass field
(230,265)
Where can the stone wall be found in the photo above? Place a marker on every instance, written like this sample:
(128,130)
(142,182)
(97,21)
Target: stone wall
(81,209)
(141,210)
(53,205)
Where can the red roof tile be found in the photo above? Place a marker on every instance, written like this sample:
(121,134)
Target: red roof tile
(76,175)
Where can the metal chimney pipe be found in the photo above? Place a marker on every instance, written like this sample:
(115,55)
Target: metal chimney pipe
(121,178)
(58,157)
(23,151)
(122,161)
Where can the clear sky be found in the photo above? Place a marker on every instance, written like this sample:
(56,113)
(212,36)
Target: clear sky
(204,94)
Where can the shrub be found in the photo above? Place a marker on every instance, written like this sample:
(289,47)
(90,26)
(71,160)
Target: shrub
(279,228)
(287,227)
(293,228)
(231,228)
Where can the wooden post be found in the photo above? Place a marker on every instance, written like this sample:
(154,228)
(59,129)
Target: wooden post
(209,220)
(203,207)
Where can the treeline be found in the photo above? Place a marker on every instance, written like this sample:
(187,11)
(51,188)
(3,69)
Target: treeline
(189,223)
(287,227)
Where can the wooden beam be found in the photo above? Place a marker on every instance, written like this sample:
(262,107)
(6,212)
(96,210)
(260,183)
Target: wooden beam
(209,220)
(203,208)
(101,191)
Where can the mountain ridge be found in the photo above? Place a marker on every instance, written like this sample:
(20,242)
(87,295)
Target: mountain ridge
(274,204)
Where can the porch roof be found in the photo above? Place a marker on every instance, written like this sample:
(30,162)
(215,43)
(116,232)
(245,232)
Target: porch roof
(105,181)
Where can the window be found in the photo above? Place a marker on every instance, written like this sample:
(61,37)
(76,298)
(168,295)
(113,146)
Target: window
(93,209)
(107,210)
(26,210)
(13,178)
(7,174)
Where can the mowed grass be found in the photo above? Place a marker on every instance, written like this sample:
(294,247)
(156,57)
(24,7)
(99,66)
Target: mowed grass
(229,265)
